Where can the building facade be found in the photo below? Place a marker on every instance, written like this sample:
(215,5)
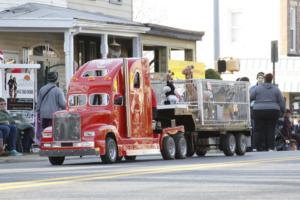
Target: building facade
(246,31)
(61,35)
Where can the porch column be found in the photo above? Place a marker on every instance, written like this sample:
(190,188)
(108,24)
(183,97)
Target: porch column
(69,56)
(104,46)
(137,47)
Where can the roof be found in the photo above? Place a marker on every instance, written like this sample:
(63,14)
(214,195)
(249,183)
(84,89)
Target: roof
(172,32)
(43,16)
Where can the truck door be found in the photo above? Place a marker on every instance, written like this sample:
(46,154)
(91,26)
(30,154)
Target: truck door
(136,99)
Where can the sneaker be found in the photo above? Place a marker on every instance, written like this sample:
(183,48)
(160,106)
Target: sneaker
(15,153)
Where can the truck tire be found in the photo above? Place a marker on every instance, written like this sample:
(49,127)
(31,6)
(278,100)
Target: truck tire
(111,151)
(241,144)
(56,160)
(180,146)
(130,158)
(201,151)
(228,144)
(168,149)
(190,146)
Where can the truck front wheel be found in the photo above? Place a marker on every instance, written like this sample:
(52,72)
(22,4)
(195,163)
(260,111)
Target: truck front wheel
(111,151)
(56,160)
(168,148)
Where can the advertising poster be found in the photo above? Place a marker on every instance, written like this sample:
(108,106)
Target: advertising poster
(177,67)
(20,94)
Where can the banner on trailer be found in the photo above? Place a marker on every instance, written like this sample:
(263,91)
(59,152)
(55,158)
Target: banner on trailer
(177,67)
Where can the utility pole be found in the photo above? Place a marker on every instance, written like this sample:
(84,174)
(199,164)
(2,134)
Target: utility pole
(216,30)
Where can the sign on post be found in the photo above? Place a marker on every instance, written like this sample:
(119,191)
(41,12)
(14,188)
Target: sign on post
(274,56)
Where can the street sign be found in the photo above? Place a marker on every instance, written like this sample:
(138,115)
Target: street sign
(274,51)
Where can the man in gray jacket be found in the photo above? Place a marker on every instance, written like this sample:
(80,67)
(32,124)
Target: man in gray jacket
(50,100)
(269,103)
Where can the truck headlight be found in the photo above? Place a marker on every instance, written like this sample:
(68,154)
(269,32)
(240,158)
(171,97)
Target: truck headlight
(89,134)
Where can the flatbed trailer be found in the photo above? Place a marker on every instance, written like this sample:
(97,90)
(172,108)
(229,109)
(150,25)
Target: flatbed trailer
(214,113)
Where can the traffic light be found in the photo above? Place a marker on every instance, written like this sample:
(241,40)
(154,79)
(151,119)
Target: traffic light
(228,64)
(221,66)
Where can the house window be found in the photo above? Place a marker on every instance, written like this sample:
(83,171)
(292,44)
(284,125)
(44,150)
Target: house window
(119,2)
(236,26)
(292,36)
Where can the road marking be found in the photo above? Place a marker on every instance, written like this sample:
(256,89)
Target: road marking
(138,171)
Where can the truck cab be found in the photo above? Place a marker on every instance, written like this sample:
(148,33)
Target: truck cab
(109,113)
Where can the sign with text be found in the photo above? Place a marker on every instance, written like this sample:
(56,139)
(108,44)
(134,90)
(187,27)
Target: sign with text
(20,94)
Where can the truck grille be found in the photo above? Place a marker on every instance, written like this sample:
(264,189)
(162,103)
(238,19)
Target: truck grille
(66,127)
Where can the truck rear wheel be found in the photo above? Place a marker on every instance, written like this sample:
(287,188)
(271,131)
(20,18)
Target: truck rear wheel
(168,148)
(180,146)
(201,151)
(111,151)
(56,160)
(228,144)
(241,144)
(190,146)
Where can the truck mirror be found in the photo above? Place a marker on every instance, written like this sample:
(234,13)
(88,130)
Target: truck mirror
(118,100)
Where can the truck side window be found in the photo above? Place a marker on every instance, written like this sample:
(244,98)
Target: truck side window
(99,73)
(99,99)
(136,81)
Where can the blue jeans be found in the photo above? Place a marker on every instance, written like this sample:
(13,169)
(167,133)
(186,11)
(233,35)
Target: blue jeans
(9,132)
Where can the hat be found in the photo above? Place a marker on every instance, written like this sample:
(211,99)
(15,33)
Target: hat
(260,74)
(52,77)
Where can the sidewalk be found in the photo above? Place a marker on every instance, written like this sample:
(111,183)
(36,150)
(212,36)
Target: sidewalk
(27,157)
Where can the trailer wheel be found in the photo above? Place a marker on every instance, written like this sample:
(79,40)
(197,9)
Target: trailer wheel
(56,160)
(190,146)
(201,151)
(130,158)
(241,144)
(111,151)
(228,144)
(180,146)
(168,148)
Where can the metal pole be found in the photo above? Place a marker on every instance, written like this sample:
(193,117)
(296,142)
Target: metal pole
(216,30)
(274,73)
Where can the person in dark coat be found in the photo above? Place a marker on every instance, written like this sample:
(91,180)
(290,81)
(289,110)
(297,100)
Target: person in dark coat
(269,104)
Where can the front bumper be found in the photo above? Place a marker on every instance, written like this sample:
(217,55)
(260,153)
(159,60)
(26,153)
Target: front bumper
(68,152)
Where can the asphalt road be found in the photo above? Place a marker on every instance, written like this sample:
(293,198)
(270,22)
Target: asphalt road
(257,175)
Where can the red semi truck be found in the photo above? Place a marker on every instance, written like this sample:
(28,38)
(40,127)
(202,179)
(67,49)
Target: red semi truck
(109,113)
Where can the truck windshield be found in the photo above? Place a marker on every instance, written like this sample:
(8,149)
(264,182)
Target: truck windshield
(100,99)
(77,100)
